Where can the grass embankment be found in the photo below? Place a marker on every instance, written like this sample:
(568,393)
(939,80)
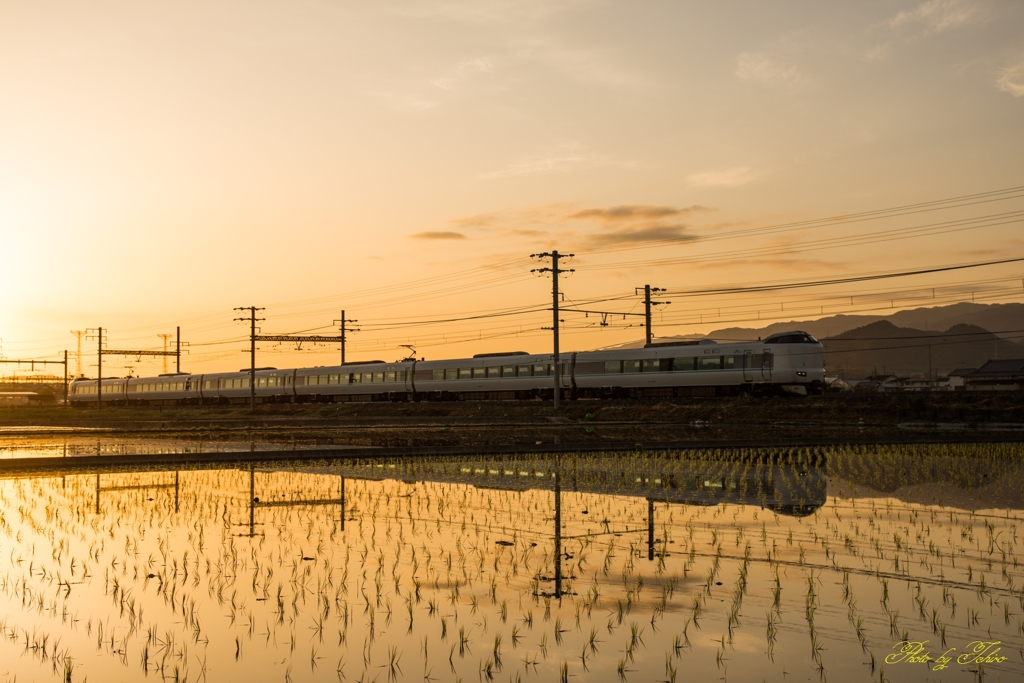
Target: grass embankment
(842,409)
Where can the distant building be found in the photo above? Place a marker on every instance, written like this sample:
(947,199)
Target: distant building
(997,375)
(956,378)
(13,398)
(838,384)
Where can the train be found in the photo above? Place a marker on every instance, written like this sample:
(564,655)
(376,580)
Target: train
(788,362)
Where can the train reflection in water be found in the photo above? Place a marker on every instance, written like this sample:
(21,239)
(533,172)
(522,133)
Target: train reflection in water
(788,486)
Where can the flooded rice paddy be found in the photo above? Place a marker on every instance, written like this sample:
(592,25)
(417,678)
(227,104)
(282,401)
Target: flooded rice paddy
(866,563)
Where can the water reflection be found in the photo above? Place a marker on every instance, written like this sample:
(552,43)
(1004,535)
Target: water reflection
(744,564)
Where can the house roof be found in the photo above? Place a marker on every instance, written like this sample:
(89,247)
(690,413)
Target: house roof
(1000,368)
(960,372)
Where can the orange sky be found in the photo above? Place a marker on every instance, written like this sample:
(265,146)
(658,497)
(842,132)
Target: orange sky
(162,164)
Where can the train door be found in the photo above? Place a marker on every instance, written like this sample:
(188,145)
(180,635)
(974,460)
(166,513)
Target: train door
(748,366)
(766,365)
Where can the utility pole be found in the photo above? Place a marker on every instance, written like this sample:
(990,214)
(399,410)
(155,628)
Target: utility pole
(165,337)
(648,290)
(99,367)
(341,322)
(177,348)
(78,353)
(554,270)
(65,378)
(252,351)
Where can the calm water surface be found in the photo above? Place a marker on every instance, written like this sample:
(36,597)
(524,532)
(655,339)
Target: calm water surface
(804,565)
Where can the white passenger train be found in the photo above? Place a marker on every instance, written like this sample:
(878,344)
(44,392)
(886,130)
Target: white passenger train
(790,362)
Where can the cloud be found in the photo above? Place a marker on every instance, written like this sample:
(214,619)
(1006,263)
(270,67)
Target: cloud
(632,212)
(654,233)
(593,226)
(937,15)
(439,235)
(1011,79)
(464,71)
(758,68)
(732,177)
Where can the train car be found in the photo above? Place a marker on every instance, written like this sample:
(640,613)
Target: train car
(272,385)
(165,389)
(492,376)
(83,391)
(366,381)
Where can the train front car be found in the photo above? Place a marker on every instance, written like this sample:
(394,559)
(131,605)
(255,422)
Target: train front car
(791,362)
(798,361)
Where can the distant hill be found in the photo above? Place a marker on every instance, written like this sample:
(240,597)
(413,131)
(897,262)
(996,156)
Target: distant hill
(882,347)
(995,317)
(960,336)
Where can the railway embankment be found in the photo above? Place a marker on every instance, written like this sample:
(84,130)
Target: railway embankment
(897,410)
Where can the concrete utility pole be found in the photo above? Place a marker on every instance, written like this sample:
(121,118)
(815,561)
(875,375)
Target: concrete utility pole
(99,368)
(648,290)
(177,348)
(252,319)
(554,270)
(344,332)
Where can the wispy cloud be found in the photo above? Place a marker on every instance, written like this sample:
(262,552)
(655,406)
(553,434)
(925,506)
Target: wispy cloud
(937,15)
(463,72)
(439,235)
(1011,79)
(759,68)
(731,177)
(561,160)
(485,11)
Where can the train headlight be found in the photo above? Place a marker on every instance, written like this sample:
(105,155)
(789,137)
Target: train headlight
(801,373)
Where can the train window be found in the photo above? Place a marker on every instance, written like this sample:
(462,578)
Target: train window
(400,375)
(540,370)
(612,366)
(479,373)
(631,366)
(651,365)
(389,376)
(356,378)
(523,371)
(682,364)
(797,338)
(465,373)
(508,371)
(729,362)
(437,375)
(451,373)
(494,372)
(712,363)
(378,377)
